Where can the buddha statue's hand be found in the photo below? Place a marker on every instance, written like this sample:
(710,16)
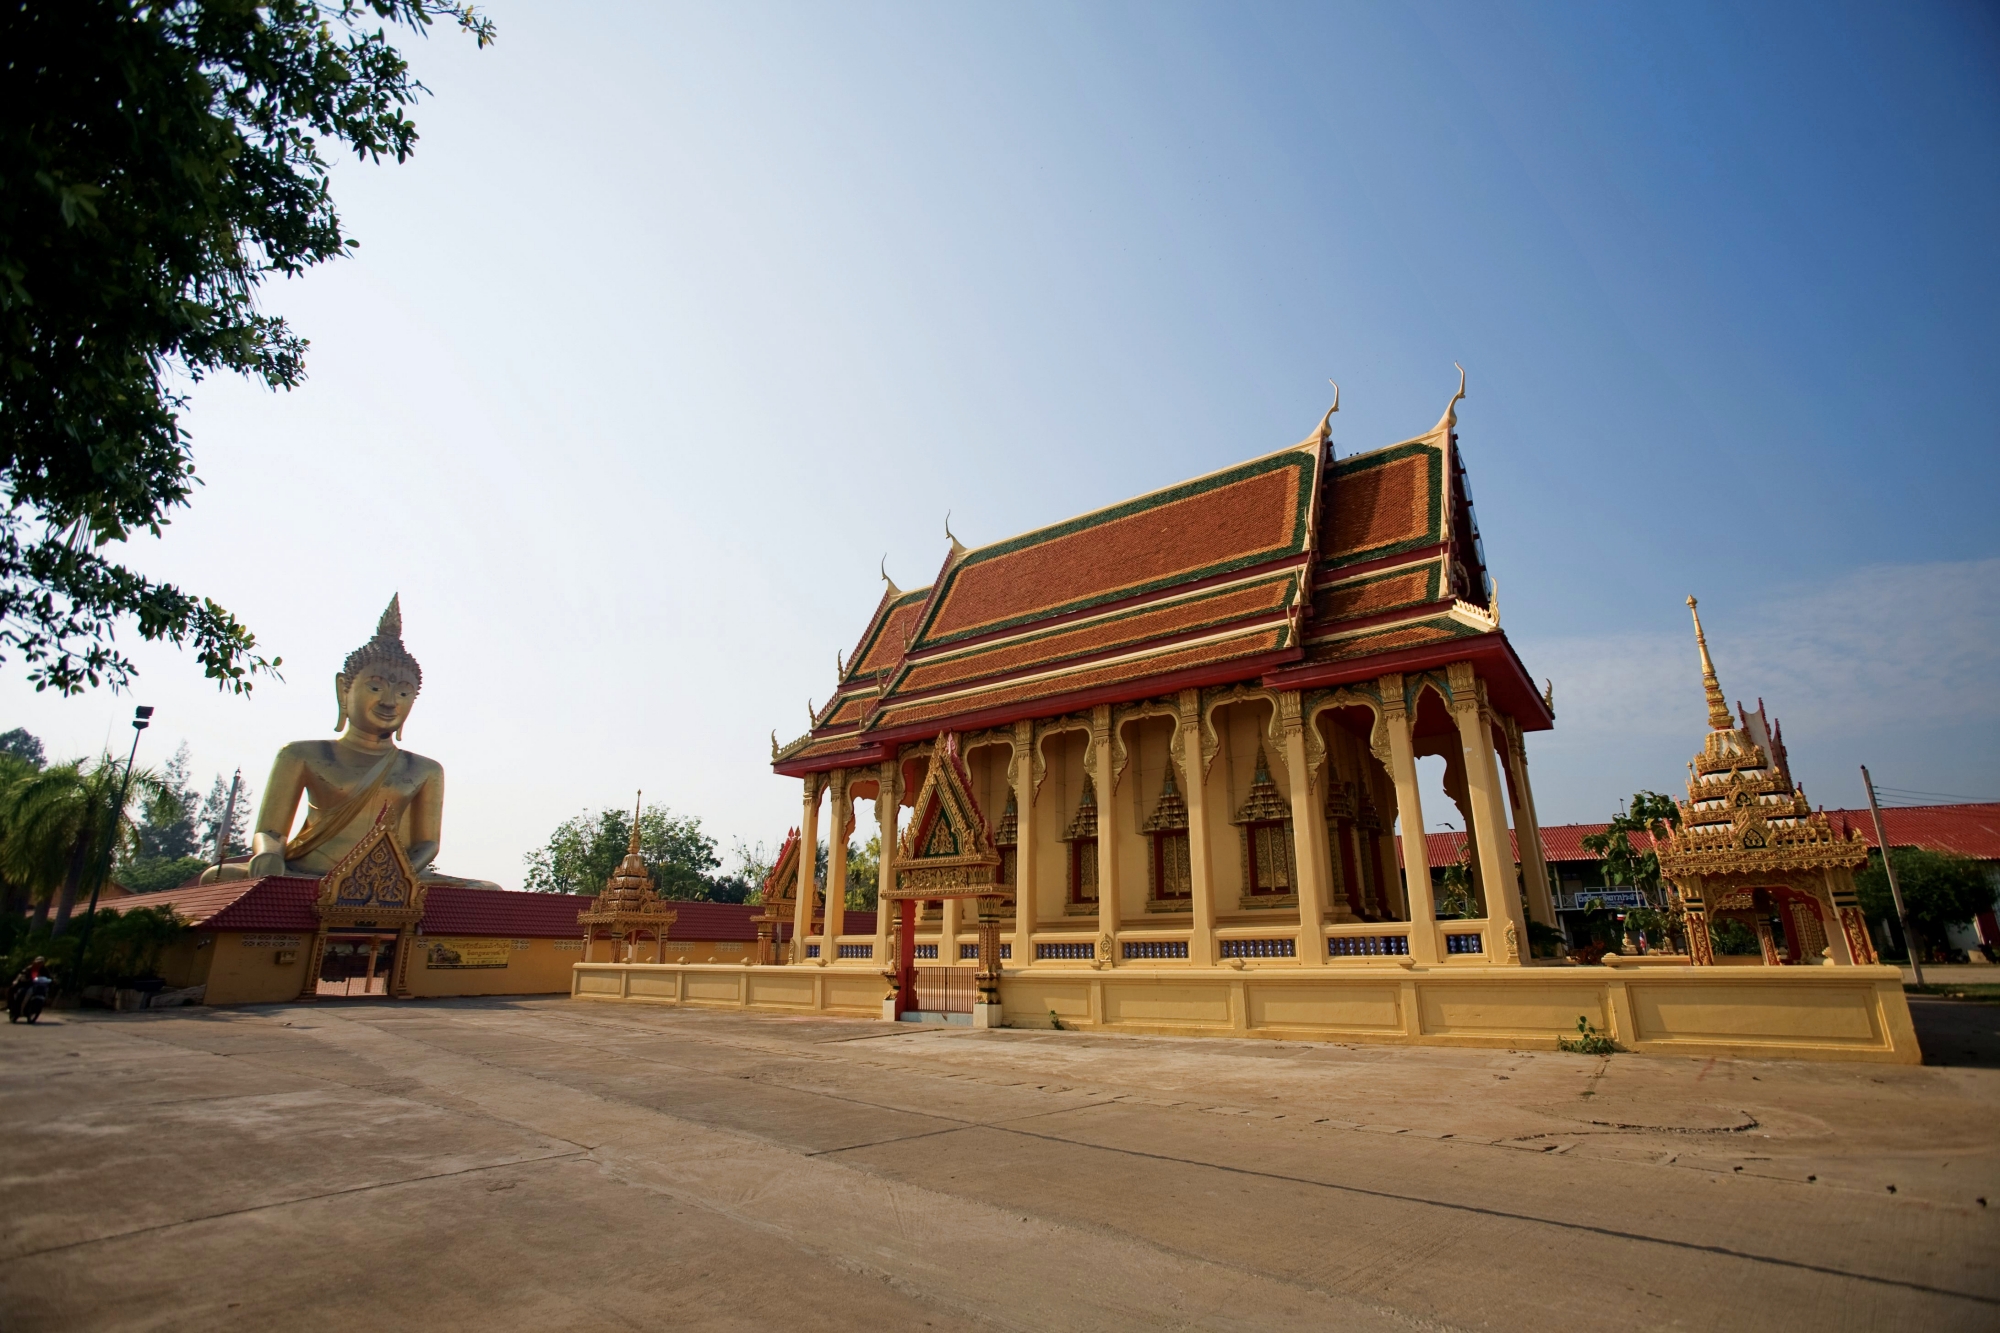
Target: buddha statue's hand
(267,863)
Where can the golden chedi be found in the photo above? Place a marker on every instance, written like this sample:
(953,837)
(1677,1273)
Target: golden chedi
(360,775)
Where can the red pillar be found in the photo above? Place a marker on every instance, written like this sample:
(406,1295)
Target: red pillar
(906,956)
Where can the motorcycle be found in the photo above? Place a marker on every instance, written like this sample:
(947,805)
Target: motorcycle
(29,1000)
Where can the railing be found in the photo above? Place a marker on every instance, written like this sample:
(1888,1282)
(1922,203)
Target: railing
(857,951)
(1287,947)
(1368,946)
(1082,950)
(927,951)
(1155,948)
(1463,942)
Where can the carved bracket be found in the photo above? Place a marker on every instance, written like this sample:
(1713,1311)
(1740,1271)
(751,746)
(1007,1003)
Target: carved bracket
(1135,713)
(1222,696)
(1052,727)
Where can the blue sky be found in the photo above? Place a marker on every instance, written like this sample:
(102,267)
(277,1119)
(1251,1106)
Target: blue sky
(683,317)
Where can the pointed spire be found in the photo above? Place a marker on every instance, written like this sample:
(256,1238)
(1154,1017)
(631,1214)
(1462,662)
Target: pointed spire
(1450,417)
(632,847)
(1718,707)
(1325,431)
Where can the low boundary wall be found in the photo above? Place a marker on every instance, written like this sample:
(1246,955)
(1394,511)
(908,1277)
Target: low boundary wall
(1812,1013)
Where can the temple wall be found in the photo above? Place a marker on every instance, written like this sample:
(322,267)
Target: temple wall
(244,968)
(540,968)
(1814,1013)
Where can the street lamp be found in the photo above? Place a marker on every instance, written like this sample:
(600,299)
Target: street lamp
(141,719)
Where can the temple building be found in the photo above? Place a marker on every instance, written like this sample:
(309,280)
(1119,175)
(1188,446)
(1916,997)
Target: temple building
(1154,769)
(1750,848)
(1193,719)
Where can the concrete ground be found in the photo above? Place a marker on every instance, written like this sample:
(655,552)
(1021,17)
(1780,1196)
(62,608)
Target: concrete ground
(547,1164)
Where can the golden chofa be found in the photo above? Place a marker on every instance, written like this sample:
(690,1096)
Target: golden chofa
(351,781)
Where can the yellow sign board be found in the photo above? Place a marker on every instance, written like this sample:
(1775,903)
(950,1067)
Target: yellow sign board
(453,953)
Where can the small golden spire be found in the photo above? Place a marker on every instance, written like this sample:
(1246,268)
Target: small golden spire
(1718,707)
(632,848)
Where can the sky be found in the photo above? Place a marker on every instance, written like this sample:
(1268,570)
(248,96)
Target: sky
(683,318)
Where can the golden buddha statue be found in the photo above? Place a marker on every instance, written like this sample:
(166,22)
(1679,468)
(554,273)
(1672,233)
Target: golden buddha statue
(358,777)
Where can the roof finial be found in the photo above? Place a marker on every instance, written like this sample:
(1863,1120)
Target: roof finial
(839,667)
(1718,707)
(957,546)
(632,848)
(1325,431)
(894,591)
(1450,417)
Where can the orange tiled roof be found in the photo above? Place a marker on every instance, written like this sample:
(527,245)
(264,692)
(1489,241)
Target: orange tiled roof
(1292,562)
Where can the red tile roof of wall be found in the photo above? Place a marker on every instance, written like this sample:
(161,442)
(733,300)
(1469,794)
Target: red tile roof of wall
(454,909)
(1963,830)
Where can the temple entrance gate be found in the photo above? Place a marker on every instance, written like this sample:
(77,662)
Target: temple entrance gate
(946,991)
(947,852)
(357,964)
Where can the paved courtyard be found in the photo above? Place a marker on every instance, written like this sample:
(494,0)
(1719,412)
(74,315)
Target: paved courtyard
(545,1164)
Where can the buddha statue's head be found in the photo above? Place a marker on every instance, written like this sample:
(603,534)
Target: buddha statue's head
(379,682)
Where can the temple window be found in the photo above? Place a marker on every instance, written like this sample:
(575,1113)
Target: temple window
(1170,876)
(1081,835)
(1006,841)
(1083,872)
(1266,831)
(1269,845)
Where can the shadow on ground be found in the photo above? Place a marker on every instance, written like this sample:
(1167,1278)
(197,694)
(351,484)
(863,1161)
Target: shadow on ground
(1962,1033)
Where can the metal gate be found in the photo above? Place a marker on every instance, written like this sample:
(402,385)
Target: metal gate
(946,990)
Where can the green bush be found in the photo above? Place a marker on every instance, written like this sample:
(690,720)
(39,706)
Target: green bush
(1939,891)
(1731,936)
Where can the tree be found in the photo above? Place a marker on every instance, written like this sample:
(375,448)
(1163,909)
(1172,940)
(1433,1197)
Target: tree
(753,867)
(864,873)
(1622,864)
(23,746)
(1939,891)
(585,849)
(57,830)
(235,840)
(158,162)
(162,851)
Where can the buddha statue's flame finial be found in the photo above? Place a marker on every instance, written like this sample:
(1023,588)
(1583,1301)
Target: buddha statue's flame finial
(1718,707)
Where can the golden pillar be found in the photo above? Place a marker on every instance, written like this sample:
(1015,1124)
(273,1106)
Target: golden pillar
(1201,868)
(1026,908)
(1489,814)
(840,809)
(1308,835)
(1528,828)
(1107,837)
(808,853)
(1410,812)
(888,800)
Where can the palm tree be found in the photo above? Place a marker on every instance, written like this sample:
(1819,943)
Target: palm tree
(56,833)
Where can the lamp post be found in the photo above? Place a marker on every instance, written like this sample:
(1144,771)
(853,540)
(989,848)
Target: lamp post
(140,720)
(1889,868)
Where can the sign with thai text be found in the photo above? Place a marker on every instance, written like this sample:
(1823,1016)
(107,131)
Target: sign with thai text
(460,953)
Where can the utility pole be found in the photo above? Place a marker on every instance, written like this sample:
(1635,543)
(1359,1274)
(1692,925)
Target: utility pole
(1882,838)
(140,716)
(228,823)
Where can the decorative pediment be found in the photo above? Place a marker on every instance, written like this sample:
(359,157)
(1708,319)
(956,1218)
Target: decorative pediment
(948,849)
(1170,813)
(782,884)
(1265,804)
(374,881)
